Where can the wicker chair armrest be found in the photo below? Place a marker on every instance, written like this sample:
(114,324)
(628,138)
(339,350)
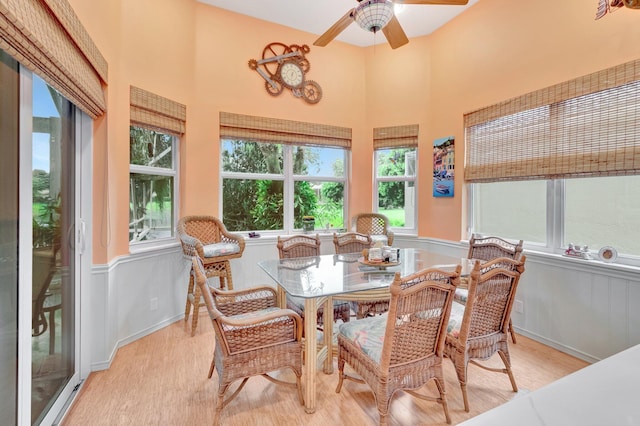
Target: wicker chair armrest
(232,238)
(247,291)
(269,329)
(235,302)
(263,319)
(191,246)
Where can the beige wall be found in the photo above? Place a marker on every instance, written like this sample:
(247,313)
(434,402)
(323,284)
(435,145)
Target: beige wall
(500,49)
(198,55)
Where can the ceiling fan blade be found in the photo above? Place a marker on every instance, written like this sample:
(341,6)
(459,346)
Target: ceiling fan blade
(335,29)
(436,2)
(394,33)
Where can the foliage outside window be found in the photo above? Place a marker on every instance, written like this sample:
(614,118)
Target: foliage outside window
(396,186)
(152,186)
(271,186)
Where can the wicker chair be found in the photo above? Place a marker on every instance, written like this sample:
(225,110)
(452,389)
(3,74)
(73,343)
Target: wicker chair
(490,248)
(351,242)
(207,238)
(403,350)
(298,246)
(487,249)
(307,246)
(354,242)
(43,270)
(479,329)
(253,336)
(374,224)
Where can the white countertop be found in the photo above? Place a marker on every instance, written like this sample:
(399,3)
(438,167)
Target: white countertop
(604,393)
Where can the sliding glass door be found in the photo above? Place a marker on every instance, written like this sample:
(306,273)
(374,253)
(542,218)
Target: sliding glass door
(53,257)
(39,260)
(9,155)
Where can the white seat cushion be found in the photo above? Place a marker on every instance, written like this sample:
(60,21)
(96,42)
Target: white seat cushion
(220,249)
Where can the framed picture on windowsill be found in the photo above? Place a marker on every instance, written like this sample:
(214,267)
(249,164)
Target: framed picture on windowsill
(443,166)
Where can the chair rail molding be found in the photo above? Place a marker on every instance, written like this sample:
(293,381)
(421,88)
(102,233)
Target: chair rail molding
(586,308)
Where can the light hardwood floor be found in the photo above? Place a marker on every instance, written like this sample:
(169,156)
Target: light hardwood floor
(162,380)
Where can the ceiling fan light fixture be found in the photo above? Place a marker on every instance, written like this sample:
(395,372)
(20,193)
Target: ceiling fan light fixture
(373,15)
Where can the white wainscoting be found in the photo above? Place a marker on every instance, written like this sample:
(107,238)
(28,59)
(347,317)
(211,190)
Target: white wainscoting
(589,309)
(585,308)
(121,308)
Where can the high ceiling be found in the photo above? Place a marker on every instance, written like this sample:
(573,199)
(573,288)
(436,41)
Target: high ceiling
(316,16)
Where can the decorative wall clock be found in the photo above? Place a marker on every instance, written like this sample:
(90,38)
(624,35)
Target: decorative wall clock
(286,66)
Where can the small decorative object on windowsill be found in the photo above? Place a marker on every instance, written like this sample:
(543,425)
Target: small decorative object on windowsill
(608,254)
(308,223)
(581,252)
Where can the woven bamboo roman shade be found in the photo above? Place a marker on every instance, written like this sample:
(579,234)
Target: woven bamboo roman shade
(589,126)
(395,137)
(262,129)
(47,37)
(155,112)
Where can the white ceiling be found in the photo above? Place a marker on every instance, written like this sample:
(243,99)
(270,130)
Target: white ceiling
(316,16)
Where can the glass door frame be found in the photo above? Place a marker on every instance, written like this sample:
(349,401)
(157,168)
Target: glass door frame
(82,240)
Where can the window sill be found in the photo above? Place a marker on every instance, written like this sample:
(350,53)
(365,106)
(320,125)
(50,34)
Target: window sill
(153,246)
(623,264)
(594,263)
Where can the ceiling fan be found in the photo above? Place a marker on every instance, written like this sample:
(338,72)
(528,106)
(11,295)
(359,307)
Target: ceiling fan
(608,6)
(376,15)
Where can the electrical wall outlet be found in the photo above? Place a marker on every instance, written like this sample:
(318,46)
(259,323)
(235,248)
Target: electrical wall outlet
(153,303)
(518,306)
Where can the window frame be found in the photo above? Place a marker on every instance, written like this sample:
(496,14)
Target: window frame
(289,179)
(378,179)
(160,171)
(555,224)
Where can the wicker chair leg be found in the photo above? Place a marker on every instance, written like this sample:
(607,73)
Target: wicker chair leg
(340,374)
(212,367)
(465,399)
(196,311)
(227,267)
(512,332)
(507,364)
(461,371)
(187,308)
(443,398)
(299,386)
(219,405)
(383,403)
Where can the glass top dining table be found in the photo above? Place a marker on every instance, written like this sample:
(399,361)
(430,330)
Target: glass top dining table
(320,279)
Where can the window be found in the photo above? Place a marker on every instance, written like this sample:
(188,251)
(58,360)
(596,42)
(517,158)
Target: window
(395,175)
(396,186)
(559,165)
(271,186)
(275,172)
(152,175)
(156,124)
(498,210)
(603,212)
(596,212)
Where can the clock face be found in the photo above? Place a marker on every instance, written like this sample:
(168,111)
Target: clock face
(291,74)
